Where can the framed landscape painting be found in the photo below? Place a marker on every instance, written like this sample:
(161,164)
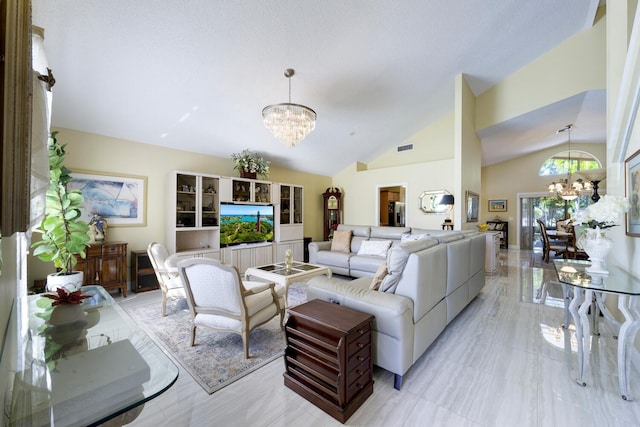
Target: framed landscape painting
(119,199)
(497,205)
(633,194)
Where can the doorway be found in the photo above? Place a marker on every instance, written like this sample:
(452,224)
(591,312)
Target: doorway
(392,206)
(547,208)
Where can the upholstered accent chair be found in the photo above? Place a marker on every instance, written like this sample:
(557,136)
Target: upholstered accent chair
(165,267)
(219,299)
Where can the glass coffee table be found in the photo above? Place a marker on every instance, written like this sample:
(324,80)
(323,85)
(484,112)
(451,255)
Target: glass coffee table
(84,371)
(279,274)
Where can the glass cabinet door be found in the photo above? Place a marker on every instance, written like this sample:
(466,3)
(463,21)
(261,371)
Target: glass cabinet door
(262,192)
(297,205)
(186,200)
(285,204)
(209,202)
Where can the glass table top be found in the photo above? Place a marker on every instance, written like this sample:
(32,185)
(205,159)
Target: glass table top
(296,268)
(618,281)
(80,369)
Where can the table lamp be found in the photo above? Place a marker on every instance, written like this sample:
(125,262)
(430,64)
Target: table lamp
(448,201)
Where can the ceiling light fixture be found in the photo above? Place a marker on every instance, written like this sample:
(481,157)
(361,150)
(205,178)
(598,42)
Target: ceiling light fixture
(567,189)
(289,123)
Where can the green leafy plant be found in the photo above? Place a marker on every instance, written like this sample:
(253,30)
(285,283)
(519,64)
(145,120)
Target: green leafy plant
(250,162)
(64,235)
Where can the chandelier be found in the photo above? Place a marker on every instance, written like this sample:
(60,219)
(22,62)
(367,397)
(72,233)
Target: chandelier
(289,123)
(567,188)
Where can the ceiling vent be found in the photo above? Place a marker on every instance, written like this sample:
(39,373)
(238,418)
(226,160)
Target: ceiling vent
(405,147)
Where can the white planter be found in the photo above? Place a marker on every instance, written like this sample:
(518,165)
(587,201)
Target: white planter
(597,246)
(70,282)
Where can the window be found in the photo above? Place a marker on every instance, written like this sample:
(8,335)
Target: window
(558,164)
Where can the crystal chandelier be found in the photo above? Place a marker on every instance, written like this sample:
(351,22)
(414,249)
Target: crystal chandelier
(289,123)
(567,188)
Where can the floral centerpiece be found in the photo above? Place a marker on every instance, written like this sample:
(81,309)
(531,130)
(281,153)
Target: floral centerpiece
(604,213)
(250,164)
(596,218)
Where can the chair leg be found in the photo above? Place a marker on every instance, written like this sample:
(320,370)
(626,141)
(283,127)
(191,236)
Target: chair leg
(245,342)
(193,335)
(164,305)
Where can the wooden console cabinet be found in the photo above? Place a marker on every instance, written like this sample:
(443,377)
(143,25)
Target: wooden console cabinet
(328,356)
(105,265)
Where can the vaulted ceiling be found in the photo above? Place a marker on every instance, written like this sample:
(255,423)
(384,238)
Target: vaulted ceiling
(195,75)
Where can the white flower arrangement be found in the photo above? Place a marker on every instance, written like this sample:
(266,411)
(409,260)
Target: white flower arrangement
(604,213)
(250,162)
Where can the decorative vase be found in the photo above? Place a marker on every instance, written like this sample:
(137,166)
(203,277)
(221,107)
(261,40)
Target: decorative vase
(70,282)
(597,245)
(247,174)
(288,259)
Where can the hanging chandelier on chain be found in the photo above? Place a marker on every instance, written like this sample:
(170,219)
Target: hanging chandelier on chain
(289,123)
(567,188)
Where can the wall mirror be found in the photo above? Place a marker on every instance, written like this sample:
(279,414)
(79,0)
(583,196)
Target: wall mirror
(473,200)
(430,202)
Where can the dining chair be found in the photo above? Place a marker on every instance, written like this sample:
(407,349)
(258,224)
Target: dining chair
(550,246)
(165,267)
(219,299)
(573,251)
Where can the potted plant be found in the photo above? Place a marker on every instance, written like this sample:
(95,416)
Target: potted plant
(250,164)
(64,235)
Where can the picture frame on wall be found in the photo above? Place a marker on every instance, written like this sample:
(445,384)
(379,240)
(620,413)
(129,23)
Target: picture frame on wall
(119,199)
(473,200)
(498,205)
(632,190)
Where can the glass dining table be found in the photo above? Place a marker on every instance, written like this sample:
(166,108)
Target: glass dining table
(588,292)
(82,370)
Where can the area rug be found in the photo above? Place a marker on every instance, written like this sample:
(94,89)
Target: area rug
(217,359)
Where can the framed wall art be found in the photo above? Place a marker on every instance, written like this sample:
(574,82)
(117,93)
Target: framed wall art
(632,189)
(473,199)
(120,199)
(499,205)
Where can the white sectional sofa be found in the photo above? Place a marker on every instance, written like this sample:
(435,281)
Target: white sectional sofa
(429,282)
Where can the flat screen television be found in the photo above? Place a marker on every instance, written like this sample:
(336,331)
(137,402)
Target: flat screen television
(245,224)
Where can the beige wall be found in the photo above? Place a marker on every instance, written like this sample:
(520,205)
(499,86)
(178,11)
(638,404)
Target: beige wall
(505,180)
(360,190)
(571,68)
(99,153)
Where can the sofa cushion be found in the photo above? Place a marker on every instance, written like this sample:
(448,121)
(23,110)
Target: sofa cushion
(397,258)
(333,259)
(377,278)
(364,265)
(341,241)
(413,237)
(375,247)
(388,233)
(359,234)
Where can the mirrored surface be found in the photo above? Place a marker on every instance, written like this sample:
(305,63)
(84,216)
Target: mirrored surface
(430,202)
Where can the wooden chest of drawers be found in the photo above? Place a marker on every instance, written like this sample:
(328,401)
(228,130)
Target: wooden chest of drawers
(328,356)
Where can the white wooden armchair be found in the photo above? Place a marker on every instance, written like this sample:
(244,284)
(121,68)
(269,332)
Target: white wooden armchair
(166,270)
(220,300)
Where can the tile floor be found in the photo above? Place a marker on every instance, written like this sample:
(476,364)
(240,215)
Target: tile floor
(504,361)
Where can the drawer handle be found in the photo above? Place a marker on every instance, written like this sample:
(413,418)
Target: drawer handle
(360,345)
(361,331)
(359,385)
(359,372)
(360,359)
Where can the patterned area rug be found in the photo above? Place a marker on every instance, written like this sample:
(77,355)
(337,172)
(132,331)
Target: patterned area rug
(217,359)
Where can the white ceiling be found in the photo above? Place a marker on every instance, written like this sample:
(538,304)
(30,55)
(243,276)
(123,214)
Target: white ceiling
(195,75)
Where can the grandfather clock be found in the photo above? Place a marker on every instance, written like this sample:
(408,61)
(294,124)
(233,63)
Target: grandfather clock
(332,210)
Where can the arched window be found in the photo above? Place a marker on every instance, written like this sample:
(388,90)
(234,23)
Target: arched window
(558,164)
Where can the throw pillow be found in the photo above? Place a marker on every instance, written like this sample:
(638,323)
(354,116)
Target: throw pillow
(377,278)
(341,241)
(374,247)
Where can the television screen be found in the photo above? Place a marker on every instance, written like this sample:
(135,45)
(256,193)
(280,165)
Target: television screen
(245,224)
